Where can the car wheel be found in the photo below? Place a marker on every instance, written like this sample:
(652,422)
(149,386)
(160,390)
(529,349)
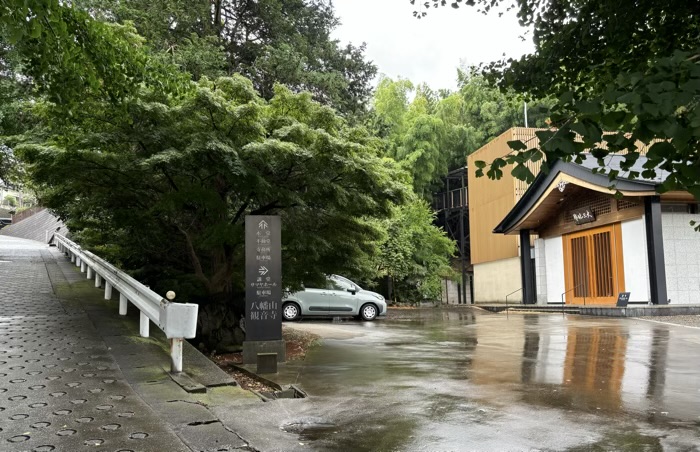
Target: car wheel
(290,311)
(368,312)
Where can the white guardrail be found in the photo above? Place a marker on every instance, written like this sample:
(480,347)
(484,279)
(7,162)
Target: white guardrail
(177,320)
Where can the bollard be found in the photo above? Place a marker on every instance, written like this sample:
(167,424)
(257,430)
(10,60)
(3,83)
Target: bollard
(123,302)
(108,290)
(98,280)
(143,325)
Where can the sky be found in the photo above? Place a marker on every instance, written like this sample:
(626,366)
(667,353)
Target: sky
(430,49)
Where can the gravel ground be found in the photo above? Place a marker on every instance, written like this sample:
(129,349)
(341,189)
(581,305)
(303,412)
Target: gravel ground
(684,320)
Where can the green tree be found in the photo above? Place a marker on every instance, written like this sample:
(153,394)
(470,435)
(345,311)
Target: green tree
(415,255)
(421,154)
(157,172)
(169,187)
(390,105)
(269,41)
(10,201)
(433,133)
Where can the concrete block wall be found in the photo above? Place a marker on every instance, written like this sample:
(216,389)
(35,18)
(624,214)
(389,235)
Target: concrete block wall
(682,254)
(450,293)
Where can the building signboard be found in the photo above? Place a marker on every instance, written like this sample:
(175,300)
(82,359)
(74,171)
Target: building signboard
(263,277)
(583,215)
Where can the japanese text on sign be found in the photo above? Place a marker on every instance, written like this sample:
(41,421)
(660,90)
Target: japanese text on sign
(263,278)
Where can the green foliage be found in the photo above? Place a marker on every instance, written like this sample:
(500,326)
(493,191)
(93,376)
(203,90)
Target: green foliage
(420,153)
(157,172)
(415,253)
(10,201)
(269,41)
(434,133)
(170,186)
(618,82)
(72,57)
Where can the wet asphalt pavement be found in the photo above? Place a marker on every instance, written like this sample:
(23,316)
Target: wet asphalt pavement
(463,379)
(74,377)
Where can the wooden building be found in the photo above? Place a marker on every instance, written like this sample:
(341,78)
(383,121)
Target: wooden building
(586,239)
(494,257)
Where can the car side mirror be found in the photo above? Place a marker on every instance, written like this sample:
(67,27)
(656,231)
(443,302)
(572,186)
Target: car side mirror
(353,290)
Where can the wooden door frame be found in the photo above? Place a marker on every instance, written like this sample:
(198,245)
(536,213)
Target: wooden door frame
(615,230)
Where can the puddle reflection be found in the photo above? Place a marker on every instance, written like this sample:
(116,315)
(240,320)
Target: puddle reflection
(476,372)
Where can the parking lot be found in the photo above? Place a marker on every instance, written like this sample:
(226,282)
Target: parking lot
(463,379)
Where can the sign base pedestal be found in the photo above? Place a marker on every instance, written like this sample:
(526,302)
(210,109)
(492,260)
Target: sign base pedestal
(252,348)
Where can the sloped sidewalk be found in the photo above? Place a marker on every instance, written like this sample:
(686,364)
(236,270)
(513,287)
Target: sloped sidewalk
(74,375)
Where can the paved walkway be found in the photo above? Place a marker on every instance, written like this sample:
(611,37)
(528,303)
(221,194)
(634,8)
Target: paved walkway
(74,375)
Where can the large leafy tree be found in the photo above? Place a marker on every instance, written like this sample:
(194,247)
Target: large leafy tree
(168,188)
(158,172)
(269,41)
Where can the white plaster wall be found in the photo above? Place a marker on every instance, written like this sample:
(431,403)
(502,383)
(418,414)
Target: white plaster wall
(634,257)
(682,255)
(494,280)
(540,271)
(554,268)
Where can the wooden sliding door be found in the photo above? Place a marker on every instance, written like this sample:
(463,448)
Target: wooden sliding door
(593,267)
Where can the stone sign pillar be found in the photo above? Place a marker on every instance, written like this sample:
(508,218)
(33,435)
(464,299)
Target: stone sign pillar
(263,281)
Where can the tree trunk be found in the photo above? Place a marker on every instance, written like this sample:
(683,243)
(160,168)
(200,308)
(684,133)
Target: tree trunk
(389,288)
(219,323)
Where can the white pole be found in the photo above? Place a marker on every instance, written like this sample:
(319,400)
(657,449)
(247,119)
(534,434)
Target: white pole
(77,261)
(176,355)
(83,267)
(123,302)
(89,273)
(72,257)
(525,108)
(108,290)
(98,280)
(143,325)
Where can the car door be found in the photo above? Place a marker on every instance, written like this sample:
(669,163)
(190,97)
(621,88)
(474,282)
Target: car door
(315,301)
(344,298)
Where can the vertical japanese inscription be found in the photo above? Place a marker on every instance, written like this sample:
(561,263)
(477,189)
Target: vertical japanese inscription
(263,275)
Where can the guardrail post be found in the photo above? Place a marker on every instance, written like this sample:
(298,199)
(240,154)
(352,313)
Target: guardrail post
(72,257)
(144,325)
(176,355)
(98,280)
(123,303)
(83,267)
(77,261)
(108,290)
(89,272)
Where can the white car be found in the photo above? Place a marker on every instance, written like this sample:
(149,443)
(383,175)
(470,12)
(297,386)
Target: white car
(340,297)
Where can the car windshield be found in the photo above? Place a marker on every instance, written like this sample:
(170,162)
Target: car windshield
(345,283)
